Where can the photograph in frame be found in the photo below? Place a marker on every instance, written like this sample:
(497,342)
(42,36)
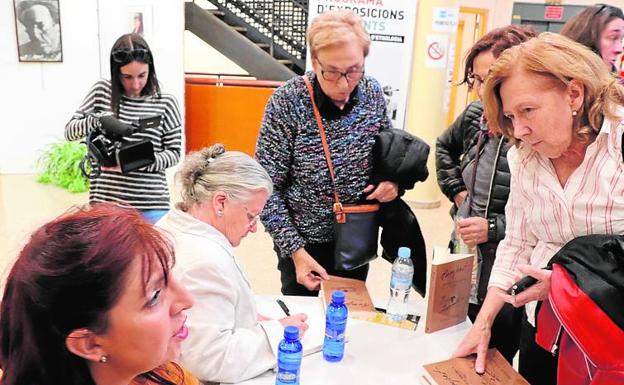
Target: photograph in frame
(38,30)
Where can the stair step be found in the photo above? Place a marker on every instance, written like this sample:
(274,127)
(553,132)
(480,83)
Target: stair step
(216,12)
(239,28)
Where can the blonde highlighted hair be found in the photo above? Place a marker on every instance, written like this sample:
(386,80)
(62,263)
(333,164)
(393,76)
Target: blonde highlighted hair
(334,28)
(557,60)
(213,169)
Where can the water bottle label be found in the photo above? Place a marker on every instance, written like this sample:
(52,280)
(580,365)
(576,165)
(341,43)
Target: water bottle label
(286,376)
(335,335)
(400,283)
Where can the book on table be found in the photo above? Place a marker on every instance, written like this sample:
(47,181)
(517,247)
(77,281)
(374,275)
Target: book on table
(359,302)
(460,371)
(449,289)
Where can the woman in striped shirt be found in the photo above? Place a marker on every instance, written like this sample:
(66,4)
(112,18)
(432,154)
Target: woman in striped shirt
(558,100)
(131,94)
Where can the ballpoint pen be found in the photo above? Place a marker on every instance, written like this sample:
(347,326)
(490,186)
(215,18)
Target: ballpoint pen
(283,306)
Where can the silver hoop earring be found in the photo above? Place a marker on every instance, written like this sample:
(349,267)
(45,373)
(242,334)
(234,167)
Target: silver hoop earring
(574,113)
(219,213)
(103,359)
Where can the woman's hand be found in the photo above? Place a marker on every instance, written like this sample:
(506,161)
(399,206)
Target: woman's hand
(476,341)
(460,197)
(478,338)
(473,231)
(537,292)
(111,169)
(309,272)
(385,191)
(297,320)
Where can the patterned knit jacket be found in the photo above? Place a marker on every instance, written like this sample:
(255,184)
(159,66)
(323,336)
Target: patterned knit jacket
(289,147)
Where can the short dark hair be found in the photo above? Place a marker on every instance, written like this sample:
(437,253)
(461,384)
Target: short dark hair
(27,4)
(68,276)
(497,40)
(131,41)
(586,26)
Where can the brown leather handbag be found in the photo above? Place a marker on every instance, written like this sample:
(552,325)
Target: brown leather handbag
(356,228)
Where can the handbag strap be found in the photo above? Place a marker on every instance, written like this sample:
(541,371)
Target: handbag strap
(319,123)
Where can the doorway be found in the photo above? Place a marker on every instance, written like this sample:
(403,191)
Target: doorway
(472,25)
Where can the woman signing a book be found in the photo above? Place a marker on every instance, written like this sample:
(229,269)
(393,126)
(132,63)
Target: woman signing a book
(223,192)
(558,103)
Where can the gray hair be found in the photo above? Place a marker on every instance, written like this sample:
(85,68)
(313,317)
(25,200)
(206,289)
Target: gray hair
(213,169)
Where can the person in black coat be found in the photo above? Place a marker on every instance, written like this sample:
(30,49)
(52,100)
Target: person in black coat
(472,171)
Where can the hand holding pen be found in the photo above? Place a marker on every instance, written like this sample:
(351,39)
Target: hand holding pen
(297,320)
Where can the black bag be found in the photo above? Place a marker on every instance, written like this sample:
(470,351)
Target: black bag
(356,228)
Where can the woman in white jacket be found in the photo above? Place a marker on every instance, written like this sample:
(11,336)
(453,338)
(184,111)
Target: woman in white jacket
(223,194)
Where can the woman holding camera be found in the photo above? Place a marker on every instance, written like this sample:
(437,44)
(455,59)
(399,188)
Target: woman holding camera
(132,94)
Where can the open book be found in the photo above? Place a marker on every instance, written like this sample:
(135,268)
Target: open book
(313,338)
(449,289)
(460,371)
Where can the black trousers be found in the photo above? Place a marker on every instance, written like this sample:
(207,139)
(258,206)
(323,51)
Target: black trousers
(505,329)
(537,365)
(323,253)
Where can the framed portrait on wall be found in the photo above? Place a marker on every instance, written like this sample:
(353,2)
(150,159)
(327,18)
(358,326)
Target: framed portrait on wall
(38,30)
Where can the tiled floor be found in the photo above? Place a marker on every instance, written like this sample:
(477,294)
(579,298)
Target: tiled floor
(26,204)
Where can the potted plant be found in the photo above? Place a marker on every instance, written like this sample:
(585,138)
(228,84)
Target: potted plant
(60,165)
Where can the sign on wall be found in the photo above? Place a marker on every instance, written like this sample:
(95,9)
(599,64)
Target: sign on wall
(390,24)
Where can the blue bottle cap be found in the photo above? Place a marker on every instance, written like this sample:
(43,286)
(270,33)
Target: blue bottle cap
(338,296)
(291,332)
(404,252)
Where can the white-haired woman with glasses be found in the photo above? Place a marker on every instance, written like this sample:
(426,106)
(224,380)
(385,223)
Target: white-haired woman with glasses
(223,193)
(131,94)
(299,214)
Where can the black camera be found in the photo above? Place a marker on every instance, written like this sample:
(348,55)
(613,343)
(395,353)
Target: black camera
(106,146)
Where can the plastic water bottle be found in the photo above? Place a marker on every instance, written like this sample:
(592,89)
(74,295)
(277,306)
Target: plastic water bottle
(335,326)
(289,353)
(400,284)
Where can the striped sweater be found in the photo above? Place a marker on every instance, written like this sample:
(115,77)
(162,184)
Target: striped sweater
(145,188)
(289,147)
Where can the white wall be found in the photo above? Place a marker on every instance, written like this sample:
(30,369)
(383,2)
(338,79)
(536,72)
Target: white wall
(39,98)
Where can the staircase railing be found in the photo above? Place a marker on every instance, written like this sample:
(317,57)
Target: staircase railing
(283,22)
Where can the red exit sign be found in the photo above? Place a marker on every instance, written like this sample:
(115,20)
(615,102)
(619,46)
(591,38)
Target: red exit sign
(553,12)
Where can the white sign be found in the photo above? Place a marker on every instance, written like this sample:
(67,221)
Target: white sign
(391,25)
(445,19)
(436,51)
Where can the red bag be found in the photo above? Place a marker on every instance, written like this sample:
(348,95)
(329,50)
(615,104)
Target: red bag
(582,318)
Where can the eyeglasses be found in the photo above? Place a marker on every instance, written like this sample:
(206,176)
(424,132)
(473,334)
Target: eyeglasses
(474,81)
(124,55)
(252,219)
(334,76)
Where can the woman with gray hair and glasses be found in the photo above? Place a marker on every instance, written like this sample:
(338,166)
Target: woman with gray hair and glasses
(223,193)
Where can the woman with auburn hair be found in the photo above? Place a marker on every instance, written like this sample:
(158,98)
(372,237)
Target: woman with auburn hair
(472,171)
(600,27)
(558,102)
(90,300)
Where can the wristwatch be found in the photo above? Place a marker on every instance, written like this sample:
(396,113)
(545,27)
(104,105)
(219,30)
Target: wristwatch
(492,229)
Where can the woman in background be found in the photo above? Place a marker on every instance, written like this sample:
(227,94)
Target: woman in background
(472,170)
(132,93)
(599,27)
(223,193)
(90,300)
